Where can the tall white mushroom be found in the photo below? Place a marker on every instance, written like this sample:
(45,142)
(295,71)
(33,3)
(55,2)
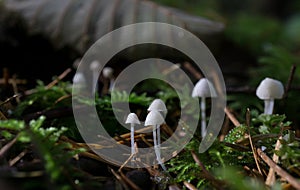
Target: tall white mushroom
(155,119)
(268,90)
(94,67)
(132,119)
(203,89)
(158,105)
(108,73)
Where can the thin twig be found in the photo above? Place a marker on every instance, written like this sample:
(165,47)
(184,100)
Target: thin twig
(271,175)
(188,66)
(129,158)
(189,185)
(6,147)
(232,117)
(146,141)
(217,183)
(237,147)
(9,99)
(281,172)
(225,129)
(119,178)
(2,116)
(129,182)
(256,138)
(143,130)
(289,82)
(15,87)
(17,158)
(248,117)
(59,78)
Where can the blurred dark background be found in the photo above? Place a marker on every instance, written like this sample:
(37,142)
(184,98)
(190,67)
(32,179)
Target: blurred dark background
(261,38)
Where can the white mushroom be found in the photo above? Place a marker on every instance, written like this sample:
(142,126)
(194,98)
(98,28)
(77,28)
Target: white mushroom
(108,73)
(158,105)
(155,119)
(94,67)
(79,82)
(268,90)
(132,119)
(203,89)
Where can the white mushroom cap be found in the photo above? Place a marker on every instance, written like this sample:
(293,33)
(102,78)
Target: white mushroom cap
(132,118)
(95,65)
(78,78)
(154,118)
(158,105)
(204,88)
(108,72)
(270,89)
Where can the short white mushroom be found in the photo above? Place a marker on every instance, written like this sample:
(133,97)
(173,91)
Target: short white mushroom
(158,105)
(268,90)
(132,119)
(155,119)
(79,82)
(203,89)
(108,73)
(94,67)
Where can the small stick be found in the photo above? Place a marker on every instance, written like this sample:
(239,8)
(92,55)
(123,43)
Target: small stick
(145,141)
(2,116)
(250,140)
(31,91)
(224,130)
(257,138)
(237,146)
(271,175)
(192,70)
(59,78)
(289,82)
(129,182)
(189,185)
(15,87)
(231,117)
(127,135)
(293,181)
(119,178)
(17,158)
(217,183)
(129,158)
(9,99)
(6,147)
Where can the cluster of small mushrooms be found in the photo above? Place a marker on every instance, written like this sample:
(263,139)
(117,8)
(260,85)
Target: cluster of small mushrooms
(268,90)
(156,117)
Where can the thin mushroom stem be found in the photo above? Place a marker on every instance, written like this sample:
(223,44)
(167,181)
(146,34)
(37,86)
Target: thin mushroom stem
(269,105)
(132,138)
(203,117)
(111,84)
(156,149)
(158,139)
(95,81)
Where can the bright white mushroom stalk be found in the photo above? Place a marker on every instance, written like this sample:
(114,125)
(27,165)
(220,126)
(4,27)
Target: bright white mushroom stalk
(132,119)
(158,105)
(94,67)
(203,89)
(155,119)
(269,90)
